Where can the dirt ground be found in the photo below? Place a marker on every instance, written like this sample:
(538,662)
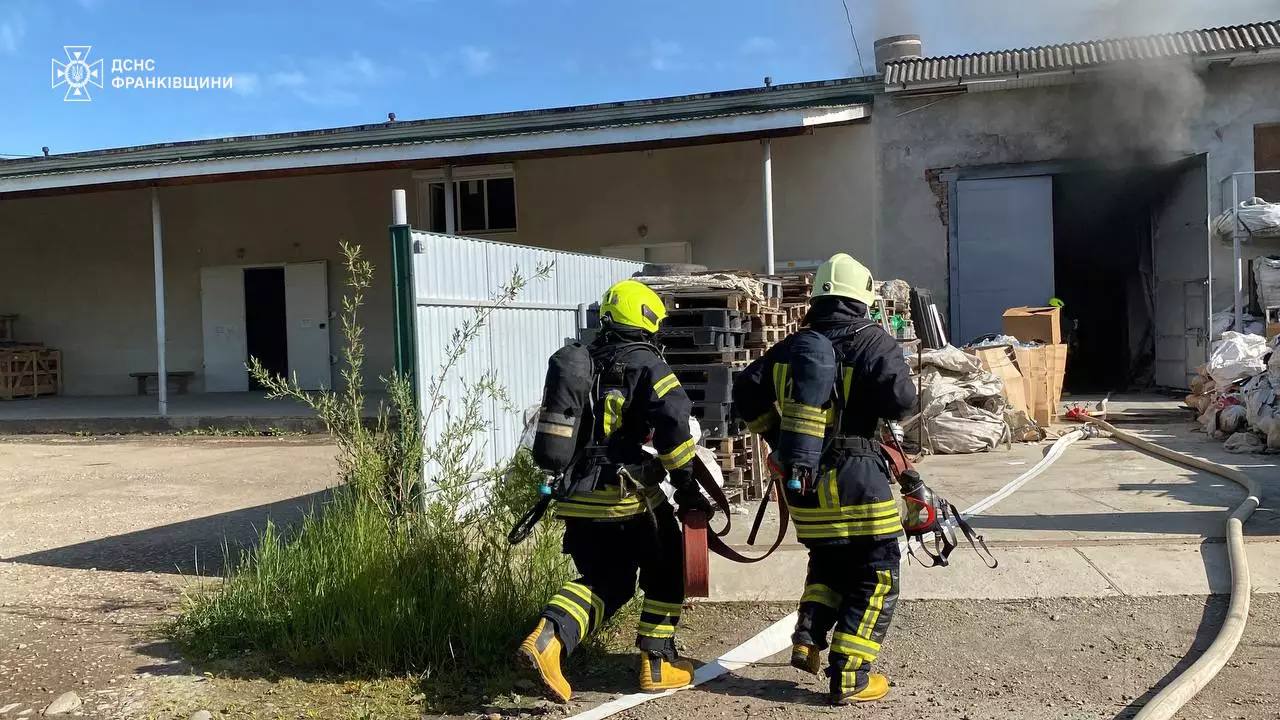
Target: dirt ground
(953,660)
(99,536)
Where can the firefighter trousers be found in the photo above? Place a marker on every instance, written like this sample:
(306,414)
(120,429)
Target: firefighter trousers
(851,588)
(610,554)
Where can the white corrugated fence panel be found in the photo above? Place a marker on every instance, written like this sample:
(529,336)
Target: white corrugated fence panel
(436,324)
(455,276)
(515,350)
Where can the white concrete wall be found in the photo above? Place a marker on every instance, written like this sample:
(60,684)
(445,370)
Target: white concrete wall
(1117,123)
(710,197)
(78,268)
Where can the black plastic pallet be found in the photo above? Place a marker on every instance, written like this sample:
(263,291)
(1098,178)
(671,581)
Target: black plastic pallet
(702,339)
(708,392)
(716,318)
(702,356)
(706,374)
(713,411)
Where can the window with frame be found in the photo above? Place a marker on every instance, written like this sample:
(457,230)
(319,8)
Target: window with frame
(481,205)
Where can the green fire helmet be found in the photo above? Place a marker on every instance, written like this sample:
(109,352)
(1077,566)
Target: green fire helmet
(843,276)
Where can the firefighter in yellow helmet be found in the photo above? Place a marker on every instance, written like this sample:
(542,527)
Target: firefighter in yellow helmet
(618,522)
(818,397)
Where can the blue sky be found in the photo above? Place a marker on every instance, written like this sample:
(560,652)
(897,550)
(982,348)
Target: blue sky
(306,65)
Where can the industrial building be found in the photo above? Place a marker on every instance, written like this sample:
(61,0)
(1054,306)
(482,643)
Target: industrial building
(1087,172)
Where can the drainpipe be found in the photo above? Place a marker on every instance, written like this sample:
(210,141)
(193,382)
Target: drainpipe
(768,207)
(402,288)
(157,253)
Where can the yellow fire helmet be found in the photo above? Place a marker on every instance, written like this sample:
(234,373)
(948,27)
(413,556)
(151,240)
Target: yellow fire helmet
(631,303)
(843,276)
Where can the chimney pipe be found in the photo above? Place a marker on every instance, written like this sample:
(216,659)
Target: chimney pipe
(896,47)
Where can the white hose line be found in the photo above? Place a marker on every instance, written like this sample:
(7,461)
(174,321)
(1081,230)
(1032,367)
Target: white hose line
(1179,692)
(777,637)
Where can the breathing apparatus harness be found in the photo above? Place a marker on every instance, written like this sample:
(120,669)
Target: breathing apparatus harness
(566,424)
(924,512)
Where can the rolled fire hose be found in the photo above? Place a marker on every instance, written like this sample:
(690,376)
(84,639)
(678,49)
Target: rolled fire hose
(1179,692)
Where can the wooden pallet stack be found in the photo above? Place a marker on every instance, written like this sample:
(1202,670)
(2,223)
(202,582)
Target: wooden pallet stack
(710,335)
(796,289)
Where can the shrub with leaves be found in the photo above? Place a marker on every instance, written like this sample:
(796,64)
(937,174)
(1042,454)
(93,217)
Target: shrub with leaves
(392,574)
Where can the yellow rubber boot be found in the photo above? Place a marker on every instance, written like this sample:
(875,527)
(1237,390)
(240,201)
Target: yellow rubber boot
(658,674)
(877,687)
(541,653)
(806,658)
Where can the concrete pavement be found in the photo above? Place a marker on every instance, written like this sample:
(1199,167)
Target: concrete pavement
(1104,520)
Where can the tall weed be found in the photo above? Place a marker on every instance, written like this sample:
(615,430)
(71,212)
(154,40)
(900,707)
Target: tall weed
(391,574)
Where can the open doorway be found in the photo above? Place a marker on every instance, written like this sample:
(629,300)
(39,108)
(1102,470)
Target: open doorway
(265,323)
(1130,264)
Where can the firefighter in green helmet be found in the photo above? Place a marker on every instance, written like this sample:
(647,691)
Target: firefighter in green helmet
(818,397)
(618,524)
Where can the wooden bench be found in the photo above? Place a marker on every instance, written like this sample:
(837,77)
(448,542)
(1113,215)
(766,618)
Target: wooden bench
(180,378)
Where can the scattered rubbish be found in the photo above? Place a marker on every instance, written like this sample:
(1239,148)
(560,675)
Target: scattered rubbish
(1237,356)
(1256,217)
(961,405)
(1244,442)
(66,702)
(1226,320)
(1266,276)
(1237,394)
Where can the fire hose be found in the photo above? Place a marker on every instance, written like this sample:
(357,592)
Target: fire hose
(777,637)
(1179,692)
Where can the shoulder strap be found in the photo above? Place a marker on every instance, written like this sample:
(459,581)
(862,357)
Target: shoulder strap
(716,545)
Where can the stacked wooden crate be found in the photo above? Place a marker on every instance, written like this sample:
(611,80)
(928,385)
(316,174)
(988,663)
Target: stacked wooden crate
(27,370)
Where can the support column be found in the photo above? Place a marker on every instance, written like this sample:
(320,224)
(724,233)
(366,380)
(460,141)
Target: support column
(157,252)
(768,207)
(450,203)
(1237,262)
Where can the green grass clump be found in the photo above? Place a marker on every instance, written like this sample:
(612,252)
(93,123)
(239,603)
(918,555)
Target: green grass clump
(346,591)
(391,575)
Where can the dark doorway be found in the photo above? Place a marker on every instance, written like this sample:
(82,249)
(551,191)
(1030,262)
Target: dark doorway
(1105,257)
(264,320)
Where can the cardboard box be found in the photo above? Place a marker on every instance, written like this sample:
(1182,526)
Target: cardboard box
(999,362)
(1057,372)
(1034,324)
(1034,364)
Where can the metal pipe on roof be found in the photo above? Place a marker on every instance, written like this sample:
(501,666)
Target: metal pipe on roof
(768,206)
(157,253)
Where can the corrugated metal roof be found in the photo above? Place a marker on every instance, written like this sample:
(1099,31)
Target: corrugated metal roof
(1222,41)
(125,159)
(617,114)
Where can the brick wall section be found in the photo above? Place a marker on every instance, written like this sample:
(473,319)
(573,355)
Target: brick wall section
(941,192)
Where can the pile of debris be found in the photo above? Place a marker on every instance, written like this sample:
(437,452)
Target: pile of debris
(1236,395)
(961,407)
